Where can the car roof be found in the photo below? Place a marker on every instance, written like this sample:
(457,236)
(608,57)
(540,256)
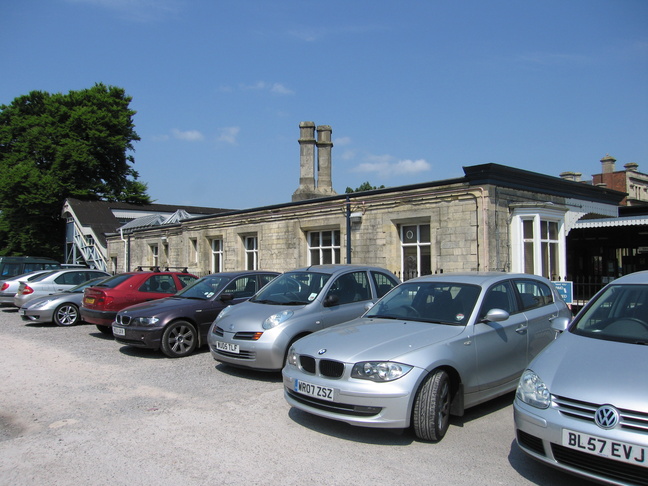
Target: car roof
(337,268)
(475,278)
(241,273)
(632,278)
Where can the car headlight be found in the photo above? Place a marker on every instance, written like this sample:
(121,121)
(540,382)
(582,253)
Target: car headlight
(379,370)
(276,319)
(223,313)
(533,391)
(292,358)
(145,321)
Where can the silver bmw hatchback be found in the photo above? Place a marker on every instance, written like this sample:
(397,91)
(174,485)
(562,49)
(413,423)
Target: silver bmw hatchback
(258,333)
(431,347)
(582,404)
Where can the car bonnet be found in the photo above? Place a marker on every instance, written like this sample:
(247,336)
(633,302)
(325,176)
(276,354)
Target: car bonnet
(370,339)
(159,306)
(595,371)
(249,316)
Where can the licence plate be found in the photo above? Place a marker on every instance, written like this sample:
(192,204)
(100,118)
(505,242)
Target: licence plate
(89,300)
(228,347)
(119,331)
(611,449)
(317,391)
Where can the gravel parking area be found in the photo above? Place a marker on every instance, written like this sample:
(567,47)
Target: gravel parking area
(78,408)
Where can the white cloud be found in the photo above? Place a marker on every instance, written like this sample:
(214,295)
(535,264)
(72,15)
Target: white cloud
(386,166)
(137,10)
(275,88)
(228,134)
(342,141)
(188,135)
(279,88)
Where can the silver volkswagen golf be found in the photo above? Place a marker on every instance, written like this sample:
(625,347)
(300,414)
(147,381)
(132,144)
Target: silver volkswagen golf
(582,404)
(432,347)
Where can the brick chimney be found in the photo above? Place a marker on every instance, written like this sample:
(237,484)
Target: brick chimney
(608,164)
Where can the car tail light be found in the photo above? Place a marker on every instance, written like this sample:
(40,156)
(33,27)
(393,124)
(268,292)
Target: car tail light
(27,290)
(5,286)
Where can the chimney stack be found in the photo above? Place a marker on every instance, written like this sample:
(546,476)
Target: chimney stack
(608,164)
(324,146)
(571,176)
(306,189)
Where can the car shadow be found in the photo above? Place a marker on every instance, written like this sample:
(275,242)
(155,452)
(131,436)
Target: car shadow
(10,310)
(538,473)
(344,431)
(249,374)
(382,436)
(146,353)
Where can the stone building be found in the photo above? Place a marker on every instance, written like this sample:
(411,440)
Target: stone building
(493,218)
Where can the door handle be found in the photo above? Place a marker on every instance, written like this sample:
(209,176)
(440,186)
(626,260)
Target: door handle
(521,329)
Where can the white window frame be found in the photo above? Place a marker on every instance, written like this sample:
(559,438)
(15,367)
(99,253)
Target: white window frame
(418,244)
(251,247)
(216,255)
(537,216)
(334,248)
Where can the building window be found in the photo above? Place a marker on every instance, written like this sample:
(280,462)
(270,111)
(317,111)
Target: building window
(193,250)
(416,250)
(217,255)
(251,253)
(155,255)
(538,244)
(324,247)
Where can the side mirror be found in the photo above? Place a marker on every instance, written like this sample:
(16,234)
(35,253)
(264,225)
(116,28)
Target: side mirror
(227,297)
(368,306)
(331,300)
(495,315)
(560,324)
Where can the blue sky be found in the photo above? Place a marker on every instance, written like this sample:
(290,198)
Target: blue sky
(413,90)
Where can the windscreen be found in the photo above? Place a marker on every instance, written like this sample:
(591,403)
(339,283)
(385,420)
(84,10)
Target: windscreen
(293,288)
(620,313)
(440,302)
(204,288)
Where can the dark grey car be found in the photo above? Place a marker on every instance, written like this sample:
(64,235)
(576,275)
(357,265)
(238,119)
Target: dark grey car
(178,325)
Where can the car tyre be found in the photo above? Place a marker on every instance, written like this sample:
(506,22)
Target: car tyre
(179,339)
(431,412)
(107,330)
(66,315)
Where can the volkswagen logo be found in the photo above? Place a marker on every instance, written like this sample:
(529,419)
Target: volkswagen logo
(606,417)
(321,351)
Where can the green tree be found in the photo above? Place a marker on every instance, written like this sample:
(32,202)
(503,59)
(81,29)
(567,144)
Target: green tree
(365,186)
(55,146)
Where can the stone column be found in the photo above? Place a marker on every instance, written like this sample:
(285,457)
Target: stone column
(307,144)
(324,146)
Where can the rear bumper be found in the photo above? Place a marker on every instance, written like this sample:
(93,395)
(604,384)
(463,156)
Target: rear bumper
(97,317)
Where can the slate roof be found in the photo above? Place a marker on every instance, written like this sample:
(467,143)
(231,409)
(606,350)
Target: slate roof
(99,215)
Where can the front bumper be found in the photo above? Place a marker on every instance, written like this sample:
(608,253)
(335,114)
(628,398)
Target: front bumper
(141,337)
(267,353)
(539,435)
(356,402)
(36,315)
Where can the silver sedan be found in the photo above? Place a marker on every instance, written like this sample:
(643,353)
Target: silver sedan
(62,309)
(432,347)
(582,404)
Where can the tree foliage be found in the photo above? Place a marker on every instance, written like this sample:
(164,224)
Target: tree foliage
(365,186)
(55,146)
